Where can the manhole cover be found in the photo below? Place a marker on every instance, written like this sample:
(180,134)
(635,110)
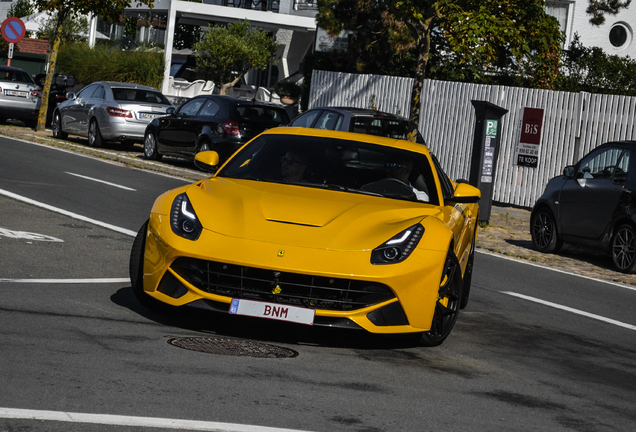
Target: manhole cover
(232,347)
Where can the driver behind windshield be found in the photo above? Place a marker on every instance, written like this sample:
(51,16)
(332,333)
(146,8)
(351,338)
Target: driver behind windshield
(401,170)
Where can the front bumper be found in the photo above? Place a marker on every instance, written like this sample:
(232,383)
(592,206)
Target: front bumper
(338,285)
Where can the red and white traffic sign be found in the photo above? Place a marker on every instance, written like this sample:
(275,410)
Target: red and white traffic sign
(13,30)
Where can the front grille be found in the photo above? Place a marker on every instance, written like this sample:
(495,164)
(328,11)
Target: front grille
(314,292)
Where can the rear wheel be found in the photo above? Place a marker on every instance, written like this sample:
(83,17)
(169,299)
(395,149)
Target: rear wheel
(136,269)
(205,146)
(543,229)
(150,147)
(94,135)
(468,274)
(57,127)
(624,249)
(448,303)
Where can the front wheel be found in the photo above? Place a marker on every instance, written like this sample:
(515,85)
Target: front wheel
(94,135)
(624,249)
(136,270)
(150,147)
(57,127)
(448,303)
(543,230)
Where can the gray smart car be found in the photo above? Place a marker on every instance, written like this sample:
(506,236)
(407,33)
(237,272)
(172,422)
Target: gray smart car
(19,96)
(109,111)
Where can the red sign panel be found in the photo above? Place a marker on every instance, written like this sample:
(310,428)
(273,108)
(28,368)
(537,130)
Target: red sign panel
(531,126)
(13,30)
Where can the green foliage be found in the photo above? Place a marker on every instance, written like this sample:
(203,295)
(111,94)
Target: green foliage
(593,71)
(597,9)
(100,63)
(225,54)
(72,26)
(20,9)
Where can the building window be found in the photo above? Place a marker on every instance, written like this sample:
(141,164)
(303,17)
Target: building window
(620,35)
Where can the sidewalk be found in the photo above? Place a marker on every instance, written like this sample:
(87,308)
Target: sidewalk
(508,231)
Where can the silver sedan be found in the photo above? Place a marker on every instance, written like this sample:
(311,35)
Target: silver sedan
(109,111)
(19,96)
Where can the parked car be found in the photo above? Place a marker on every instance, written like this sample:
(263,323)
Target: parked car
(593,204)
(109,111)
(304,226)
(211,122)
(359,120)
(20,96)
(57,94)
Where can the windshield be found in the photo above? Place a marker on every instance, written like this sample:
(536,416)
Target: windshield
(262,114)
(15,76)
(338,164)
(123,94)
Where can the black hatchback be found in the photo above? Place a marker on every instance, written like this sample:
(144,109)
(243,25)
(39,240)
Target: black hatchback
(593,204)
(210,122)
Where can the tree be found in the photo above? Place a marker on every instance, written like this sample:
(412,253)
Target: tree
(61,10)
(226,54)
(467,40)
(20,8)
(72,27)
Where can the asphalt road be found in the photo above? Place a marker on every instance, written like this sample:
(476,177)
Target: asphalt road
(535,349)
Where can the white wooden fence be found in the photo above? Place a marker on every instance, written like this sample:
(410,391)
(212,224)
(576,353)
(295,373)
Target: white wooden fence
(573,124)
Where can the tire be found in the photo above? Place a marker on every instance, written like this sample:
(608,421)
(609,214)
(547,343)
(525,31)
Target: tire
(136,270)
(448,304)
(205,146)
(468,274)
(57,127)
(150,147)
(624,248)
(94,135)
(543,230)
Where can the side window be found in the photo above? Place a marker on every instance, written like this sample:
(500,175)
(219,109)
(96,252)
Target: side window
(210,108)
(622,168)
(191,107)
(445,183)
(307,119)
(98,93)
(329,120)
(87,92)
(600,165)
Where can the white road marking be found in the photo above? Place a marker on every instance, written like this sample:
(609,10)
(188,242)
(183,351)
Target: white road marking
(521,261)
(569,309)
(101,181)
(68,213)
(117,420)
(4,232)
(68,281)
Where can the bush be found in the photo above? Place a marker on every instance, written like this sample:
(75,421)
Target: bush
(102,64)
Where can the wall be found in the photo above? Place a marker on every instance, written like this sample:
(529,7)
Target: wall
(574,123)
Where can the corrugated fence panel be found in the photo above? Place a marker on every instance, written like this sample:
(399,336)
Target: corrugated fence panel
(573,124)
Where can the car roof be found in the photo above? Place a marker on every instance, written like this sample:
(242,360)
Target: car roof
(360,112)
(243,101)
(11,68)
(124,85)
(351,136)
(623,143)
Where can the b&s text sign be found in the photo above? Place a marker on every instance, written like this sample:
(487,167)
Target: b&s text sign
(530,140)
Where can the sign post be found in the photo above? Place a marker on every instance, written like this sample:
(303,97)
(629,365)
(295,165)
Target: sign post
(13,31)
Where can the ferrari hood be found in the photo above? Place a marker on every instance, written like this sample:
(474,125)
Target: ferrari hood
(302,216)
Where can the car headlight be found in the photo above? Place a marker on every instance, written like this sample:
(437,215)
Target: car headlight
(398,248)
(183,219)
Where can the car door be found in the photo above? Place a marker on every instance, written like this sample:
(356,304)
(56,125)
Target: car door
(73,114)
(94,102)
(588,200)
(178,133)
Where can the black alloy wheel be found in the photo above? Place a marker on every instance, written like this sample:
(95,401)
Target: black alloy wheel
(205,146)
(543,229)
(150,147)
(448,303)
(624,249)
(468,273)
(57,127)
(94,135)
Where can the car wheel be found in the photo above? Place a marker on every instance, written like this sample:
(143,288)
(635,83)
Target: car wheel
(468,274)
(624,249)
(136,269)
(205,146)
(94,135)
(544,232)
(57,127)
(448,303)
(150,147)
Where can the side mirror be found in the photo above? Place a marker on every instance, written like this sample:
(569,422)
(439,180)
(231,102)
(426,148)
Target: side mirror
(206,161)
(170,110)
(465,193)
(568,171)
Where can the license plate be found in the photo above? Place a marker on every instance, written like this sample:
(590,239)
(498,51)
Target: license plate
(16,93)
(146,116)
(272,311)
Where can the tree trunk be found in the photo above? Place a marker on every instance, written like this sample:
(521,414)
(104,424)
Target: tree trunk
(49,79)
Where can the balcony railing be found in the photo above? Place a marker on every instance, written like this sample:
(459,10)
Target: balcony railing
(262,5)
(306,5)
